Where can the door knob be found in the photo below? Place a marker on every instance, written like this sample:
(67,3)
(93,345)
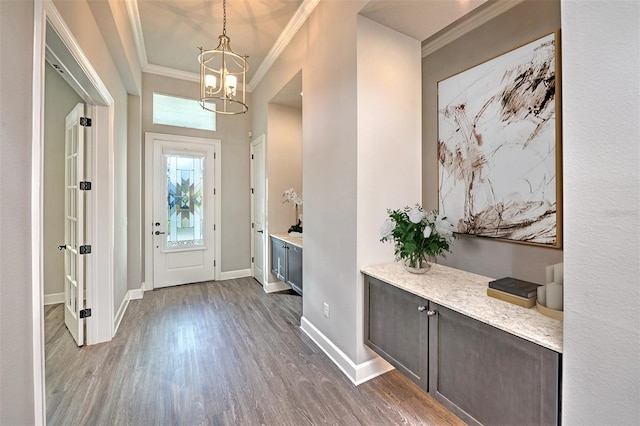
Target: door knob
(260,231)
(158,232)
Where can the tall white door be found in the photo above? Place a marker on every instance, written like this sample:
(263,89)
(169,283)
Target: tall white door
(184,198)
(258,203)
(74,225)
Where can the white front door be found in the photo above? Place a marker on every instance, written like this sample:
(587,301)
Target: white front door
(258,205)
(74,224)
(184,205)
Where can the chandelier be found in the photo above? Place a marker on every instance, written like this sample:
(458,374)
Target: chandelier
(222,76)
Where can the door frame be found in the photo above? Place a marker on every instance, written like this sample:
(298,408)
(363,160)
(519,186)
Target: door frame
(149,140)
(99,213)
(265,275)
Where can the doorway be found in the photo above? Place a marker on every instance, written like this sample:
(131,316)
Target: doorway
(182,209)
(259,264)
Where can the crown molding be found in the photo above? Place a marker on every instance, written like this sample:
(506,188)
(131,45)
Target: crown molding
(171,72)
(283,40)
(457,31)
(136,27)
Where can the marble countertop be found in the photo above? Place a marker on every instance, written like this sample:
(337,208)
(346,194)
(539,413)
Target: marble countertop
(296,241)
(466,293)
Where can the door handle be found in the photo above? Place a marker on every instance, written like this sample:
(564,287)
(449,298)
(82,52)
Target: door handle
(158,232)
(260,231)
(62,247)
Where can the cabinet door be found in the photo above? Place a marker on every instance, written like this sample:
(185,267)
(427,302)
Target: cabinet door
(396,329)
(294,267)
(488,376)
(278,258)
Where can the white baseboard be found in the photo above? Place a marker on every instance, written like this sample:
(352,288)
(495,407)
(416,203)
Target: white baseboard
(275,286)
(53,298)
(120,314)
(138,293)
(357,373)
(230,275)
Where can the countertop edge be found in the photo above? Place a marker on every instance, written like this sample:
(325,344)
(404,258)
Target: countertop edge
(296,241)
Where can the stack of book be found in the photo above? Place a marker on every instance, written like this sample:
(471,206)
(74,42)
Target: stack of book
(518,292)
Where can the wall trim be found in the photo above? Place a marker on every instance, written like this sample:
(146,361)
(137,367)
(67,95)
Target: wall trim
(121,311)
(146,287)
(136,27)
(53,298)
(470,24)
(230,275)
(285,37)
(275,286)
(171,72)
(357,373)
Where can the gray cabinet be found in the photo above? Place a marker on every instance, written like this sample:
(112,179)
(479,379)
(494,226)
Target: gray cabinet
(489,376)
(397,328)
(286,263)
(481,373)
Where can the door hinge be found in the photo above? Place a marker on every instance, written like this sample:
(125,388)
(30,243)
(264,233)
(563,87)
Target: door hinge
(214,155)
(85,122)
(252,225)
(85,249)
(252,260)
(214,263)
(85,186)
(252,156)
(214,191)
(85,313)
(214,226)
(252,190)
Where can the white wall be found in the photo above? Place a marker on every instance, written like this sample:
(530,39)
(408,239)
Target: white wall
(389,164)
(601,97)
(135,210)
(233,131)
(59,100)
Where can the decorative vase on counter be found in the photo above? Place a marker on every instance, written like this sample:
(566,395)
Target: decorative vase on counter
(420,265)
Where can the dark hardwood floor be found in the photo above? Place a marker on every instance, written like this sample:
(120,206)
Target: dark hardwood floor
(218,353)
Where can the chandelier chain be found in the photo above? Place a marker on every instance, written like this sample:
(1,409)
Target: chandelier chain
(224,17)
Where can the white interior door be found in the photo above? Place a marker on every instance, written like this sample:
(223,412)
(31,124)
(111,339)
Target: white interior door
(258,203)
(184,198)
(74,224)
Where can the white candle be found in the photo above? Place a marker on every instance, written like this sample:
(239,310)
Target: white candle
(210,81)
(542,295)
(550,274)
(554,296)
(558,273)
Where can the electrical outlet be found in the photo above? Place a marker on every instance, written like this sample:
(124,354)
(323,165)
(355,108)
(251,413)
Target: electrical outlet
(326,310)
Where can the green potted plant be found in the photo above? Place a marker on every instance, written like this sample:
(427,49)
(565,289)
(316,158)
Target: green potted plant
(418,236)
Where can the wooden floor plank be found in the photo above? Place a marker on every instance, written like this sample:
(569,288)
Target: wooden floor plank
(217,353)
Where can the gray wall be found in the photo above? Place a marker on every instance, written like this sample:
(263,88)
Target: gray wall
(233,131)
(59,100)
(135,211)
(17,399)
(601,360)
(518,26)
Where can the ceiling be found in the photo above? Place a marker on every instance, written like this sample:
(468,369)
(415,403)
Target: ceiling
(173,30)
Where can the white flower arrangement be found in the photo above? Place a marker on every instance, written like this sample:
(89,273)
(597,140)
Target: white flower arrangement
(291,196)
(417,234)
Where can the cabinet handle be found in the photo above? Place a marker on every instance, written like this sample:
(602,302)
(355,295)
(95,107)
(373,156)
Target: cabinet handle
(431,313)
(422,308)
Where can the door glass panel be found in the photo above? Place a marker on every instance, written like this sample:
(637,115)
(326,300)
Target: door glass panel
(185,208)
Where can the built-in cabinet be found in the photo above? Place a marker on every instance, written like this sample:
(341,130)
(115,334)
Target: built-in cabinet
(483,374)
(286,262)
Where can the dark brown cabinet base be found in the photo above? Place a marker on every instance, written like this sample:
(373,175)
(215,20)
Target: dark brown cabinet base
(482,374)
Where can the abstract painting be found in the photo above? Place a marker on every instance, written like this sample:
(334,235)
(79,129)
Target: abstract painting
(498,146)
